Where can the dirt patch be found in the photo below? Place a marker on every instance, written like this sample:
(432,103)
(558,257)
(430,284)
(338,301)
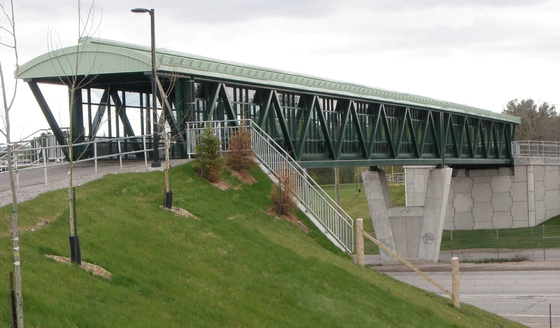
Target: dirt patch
(42,223)
(94,269)
(290,218)
(222,185)
(243,176)
(180,212)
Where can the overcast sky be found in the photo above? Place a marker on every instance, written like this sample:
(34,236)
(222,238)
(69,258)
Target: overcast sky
(482,53)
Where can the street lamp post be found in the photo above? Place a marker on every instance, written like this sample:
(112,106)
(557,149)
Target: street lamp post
(156,162)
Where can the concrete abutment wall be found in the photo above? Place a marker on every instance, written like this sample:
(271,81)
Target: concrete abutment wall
(522,196)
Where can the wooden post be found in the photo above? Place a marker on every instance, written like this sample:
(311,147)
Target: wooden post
(405,262)
(337,185)
(455,282)
(360,242)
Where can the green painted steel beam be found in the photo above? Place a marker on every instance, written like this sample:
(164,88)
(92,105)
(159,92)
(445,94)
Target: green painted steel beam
(309,104)
(230,113)
(266,102)
(213,94)
(121,113)
(49,116)
(359,130)
(99,113)
(346,108)
(77,126)
(325,129)
(283,124)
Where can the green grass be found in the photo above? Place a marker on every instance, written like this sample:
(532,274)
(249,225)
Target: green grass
(518,238)
(235,266)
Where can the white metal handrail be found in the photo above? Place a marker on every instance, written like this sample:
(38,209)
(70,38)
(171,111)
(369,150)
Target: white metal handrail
(532,148)
(334,221)
(41,159)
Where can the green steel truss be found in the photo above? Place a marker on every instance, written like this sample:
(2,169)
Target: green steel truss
(321,123)
(326,131)
(318,130)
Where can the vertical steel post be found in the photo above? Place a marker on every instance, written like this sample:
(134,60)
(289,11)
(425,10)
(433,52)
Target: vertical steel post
(155,153)
(156,162)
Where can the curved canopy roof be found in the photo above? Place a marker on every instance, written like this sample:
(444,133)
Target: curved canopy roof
(98,57)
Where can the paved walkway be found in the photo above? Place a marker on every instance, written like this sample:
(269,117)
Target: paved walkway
(37,175)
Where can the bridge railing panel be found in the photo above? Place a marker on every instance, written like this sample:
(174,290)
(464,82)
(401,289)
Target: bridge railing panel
(34,156)
(531,148)
(333,220)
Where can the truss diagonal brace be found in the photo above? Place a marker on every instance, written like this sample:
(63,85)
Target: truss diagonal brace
(49,116)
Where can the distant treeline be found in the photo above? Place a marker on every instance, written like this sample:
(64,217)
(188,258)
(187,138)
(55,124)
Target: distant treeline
(538,121)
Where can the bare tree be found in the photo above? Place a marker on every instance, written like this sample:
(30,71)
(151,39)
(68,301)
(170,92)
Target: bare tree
(168,137)
(538,121)
(8,103)
(75,81)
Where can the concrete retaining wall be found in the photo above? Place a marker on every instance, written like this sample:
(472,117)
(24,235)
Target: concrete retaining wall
(522,196)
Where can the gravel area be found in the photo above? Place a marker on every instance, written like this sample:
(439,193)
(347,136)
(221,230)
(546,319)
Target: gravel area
(27,193)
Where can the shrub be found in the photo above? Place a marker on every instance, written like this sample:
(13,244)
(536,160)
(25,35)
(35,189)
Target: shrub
(208,162)
(282,194)
(240,155)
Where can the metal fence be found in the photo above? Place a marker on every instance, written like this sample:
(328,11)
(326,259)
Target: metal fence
(536,243)
(334,221)
(535,148)
(28,157)
(395,179)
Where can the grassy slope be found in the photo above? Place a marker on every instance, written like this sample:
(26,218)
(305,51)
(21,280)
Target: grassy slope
(233,267)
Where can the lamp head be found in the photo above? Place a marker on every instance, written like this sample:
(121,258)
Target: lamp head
(140,10)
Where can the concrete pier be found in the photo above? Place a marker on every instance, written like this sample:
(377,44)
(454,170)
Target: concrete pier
(413,232)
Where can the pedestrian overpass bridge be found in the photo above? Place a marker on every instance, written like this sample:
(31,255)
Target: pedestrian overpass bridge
(319,122)
(308,122)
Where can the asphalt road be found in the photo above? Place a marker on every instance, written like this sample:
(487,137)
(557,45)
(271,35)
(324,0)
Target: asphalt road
(522,296)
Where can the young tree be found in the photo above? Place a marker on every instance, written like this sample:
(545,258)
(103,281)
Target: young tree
(75,81)
(208,158)
(240,155)
(8,103)
(168,198)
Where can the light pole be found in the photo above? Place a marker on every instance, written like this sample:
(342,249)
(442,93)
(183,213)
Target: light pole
(152,12)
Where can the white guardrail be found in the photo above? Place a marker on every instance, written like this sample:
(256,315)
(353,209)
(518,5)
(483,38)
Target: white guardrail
(29,157)
(531,148)
(332,218)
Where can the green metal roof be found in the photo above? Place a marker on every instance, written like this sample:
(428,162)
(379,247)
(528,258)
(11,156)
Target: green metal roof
(99,56)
